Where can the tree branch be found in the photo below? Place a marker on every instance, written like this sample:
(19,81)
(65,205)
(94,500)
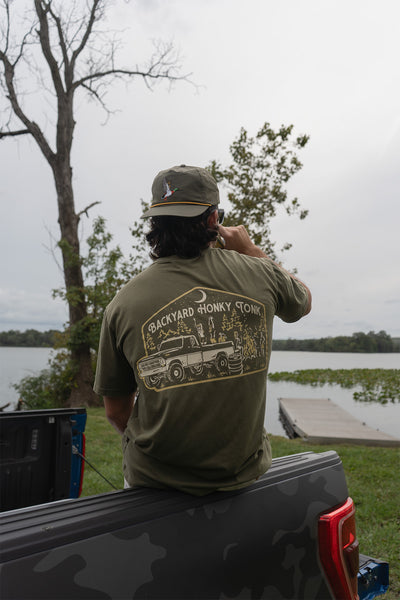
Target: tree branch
(163,65)
(126,72)
(41,10)
(63,46)
(14,133)
(7,7)
(31,126)
(87,33)
(51,249)
(6,34)
(99,99)
(85,210)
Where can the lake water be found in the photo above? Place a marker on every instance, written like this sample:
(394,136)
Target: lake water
(16,363)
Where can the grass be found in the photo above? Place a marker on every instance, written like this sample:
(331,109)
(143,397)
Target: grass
(103,450)
(373,479)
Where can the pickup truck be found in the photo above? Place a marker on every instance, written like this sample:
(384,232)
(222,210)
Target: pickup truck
(289,535)
(181,357)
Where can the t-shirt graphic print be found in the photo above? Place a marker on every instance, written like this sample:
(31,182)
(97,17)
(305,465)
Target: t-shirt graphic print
(201,336)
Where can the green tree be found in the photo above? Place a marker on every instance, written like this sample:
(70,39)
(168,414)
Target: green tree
(384,343)
(68,49)
(358,342)
(30,337)
(256,180)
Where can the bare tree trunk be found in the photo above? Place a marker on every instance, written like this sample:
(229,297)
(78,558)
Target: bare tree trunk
(82,393)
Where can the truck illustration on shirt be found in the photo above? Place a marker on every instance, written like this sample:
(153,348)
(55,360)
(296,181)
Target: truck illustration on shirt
(184,358)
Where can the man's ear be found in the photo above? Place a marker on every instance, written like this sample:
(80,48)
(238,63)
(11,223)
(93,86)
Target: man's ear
(212,220)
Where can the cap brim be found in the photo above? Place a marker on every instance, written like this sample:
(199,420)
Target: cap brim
(178,210)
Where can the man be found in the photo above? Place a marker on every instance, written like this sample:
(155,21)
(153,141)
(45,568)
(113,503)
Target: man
(185,345)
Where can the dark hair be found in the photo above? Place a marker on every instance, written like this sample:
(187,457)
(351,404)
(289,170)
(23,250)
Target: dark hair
(186,237)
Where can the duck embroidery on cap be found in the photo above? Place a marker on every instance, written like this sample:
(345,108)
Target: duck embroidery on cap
(167,190)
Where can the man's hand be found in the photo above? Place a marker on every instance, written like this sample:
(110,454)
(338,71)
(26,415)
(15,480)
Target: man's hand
(237,238)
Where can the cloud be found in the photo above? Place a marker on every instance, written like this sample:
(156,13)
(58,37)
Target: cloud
(21,309)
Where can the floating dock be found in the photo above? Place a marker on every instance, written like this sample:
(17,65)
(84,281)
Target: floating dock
(321,421)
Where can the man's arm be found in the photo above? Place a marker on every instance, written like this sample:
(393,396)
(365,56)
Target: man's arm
(237,238)
(118,410)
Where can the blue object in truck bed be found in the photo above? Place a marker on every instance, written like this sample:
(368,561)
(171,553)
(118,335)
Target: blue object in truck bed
(373,577)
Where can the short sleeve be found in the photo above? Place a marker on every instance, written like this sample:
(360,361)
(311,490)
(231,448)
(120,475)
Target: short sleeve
(292,296)
(114,375)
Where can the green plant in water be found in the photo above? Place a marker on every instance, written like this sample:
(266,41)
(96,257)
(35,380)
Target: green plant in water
(377,385)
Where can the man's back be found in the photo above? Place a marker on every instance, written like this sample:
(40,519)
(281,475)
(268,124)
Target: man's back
(197,334)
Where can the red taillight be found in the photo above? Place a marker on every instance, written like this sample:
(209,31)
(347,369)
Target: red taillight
(82,464)
(338,550)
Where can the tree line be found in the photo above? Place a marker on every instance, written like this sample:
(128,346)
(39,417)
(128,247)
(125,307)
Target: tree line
(358,342)
(31,338)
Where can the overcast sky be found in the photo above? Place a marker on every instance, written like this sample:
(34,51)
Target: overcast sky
(329,67)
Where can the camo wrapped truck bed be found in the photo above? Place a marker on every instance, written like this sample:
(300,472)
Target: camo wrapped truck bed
(261,542)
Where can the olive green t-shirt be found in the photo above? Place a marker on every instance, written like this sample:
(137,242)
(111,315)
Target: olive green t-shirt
(193,337)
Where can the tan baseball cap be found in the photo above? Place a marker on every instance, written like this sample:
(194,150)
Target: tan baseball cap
(183,191)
